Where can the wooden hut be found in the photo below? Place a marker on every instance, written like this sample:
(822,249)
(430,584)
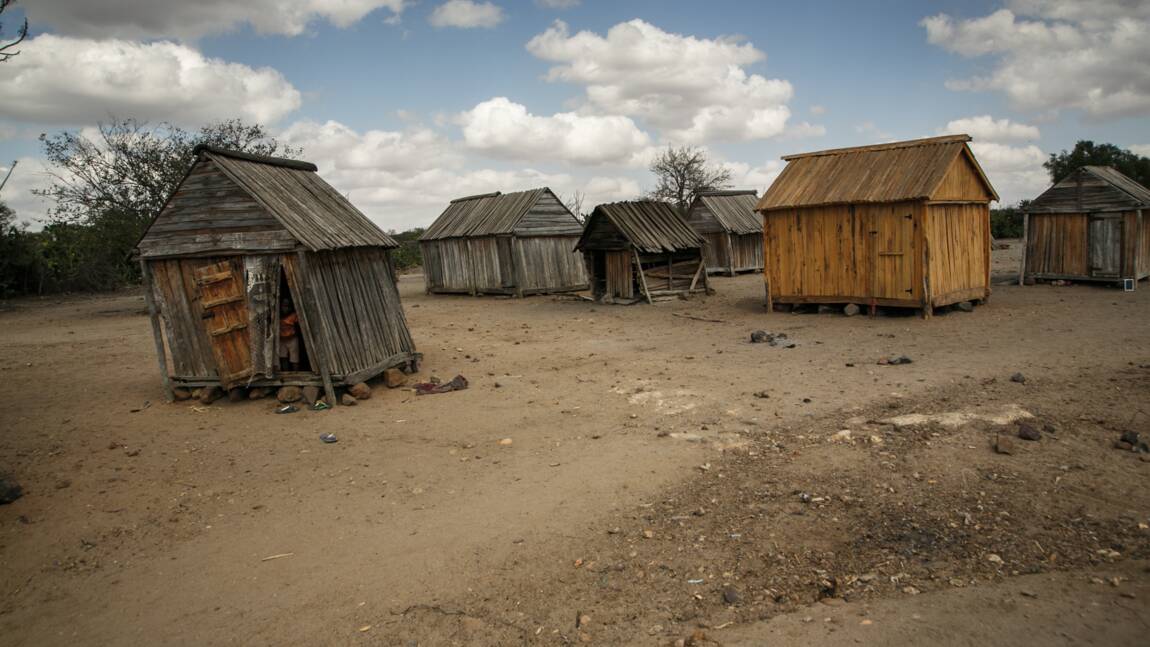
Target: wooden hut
(1090,226)
(641,250)
(496,243)
(903,224)
(242,235)
(733,231)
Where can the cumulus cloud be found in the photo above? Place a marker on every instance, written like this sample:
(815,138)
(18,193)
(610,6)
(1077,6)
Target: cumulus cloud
(466,14)
(502,128)
(557,4)
(1141,149)
(1057,54)
(28,175)
(987,128)
(1015,171)
(76,80)
(186,19)
(759,178)
(692,89)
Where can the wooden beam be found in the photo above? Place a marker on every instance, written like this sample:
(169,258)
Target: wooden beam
(695,278)
(520,265)
(1025,244)
(320,347)
(157,333)
(730,256)
(642,278)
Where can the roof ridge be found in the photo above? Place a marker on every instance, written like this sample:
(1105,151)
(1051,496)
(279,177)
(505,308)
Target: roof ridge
(925,141)
(299,165)
(476,196)
(726,192)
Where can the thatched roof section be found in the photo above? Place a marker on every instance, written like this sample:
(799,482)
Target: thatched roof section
(734,210)
(1092,188)
(313,212)
(899,171)
(488,214)
(649,225)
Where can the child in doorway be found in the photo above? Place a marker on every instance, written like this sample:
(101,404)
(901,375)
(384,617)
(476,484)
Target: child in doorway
(289,337)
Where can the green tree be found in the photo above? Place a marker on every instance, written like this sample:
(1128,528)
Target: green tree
(1087,153)
(683,173)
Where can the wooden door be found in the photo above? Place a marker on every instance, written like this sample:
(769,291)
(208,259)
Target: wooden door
(620,280)
(893,252)
(225,314)
(1105,243)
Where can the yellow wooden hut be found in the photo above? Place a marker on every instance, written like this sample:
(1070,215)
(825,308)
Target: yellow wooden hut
(905,224)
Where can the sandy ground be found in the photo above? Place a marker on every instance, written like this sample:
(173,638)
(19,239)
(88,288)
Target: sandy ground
(666,481)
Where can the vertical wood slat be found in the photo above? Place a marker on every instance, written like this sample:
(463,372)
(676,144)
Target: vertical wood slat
(299,283)
(154,316)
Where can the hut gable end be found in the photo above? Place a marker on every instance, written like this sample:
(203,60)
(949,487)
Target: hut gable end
(963,182)
(1092,189)
(548,216)
(649,226)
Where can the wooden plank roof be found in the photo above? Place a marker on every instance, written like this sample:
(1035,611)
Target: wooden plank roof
(313,212)
(651,226)
(898,171)
(1092,189)
(734,210)
(487,214)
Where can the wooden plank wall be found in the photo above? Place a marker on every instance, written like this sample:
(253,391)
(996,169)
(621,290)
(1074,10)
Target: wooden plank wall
(1056,244)
(956,235)
(178,300)
(1144,247)
(715,251)
(747,252)
(550,263)
(620,275)
(703,221)
(447,265)
(548,217)
(262,283)
(359,308)
(817,252)
(961,182)
(210,214)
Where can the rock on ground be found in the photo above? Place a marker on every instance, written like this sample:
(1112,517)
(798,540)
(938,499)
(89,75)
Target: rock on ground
(289,394)
(851,309)
(9,490)
(309,394)
(360,391)
(394,378)
(348,400)
(210,394)
(180,394)
(259,393)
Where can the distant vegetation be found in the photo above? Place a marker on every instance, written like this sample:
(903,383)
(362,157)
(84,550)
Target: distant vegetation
(408,255)
(1007,221)
(1087,153)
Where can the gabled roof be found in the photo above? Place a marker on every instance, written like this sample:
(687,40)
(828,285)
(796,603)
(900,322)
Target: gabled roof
(734,210)
(1092,188)
(311,211)
(649,225)
(909,170)
(487,214)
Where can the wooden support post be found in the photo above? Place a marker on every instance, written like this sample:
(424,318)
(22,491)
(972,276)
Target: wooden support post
(1025,244)
(730,257)
(642,277)
(157,332)
(320,348)
(695,278)
(1137,247)
(767,288)
(927,297)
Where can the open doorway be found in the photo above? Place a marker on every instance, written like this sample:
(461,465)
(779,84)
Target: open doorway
(291,350)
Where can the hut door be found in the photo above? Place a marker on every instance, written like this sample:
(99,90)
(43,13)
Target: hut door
(222,296)
(1105,238)
(893,262)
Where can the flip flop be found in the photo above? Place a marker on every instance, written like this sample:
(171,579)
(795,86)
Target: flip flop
(287,408)
(320,406)
(328,438)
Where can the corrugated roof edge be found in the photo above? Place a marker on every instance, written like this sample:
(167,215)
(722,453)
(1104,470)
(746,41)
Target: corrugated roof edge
(476,196)
(926,141)
(259,159)
(729,192)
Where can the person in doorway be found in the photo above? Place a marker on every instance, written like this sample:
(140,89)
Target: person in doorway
(289,337)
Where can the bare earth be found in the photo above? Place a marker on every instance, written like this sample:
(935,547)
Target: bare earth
(666,481)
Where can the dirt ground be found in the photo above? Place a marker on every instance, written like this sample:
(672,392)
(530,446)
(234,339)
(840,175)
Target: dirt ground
(666,480)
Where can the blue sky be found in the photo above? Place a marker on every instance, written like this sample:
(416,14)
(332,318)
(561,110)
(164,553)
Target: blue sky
(406,104)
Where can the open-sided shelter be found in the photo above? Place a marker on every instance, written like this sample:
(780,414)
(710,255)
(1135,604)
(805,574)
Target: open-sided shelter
(641,250)
(733,230)
(1090,226)
(504,243)
(242,235)
(902,224)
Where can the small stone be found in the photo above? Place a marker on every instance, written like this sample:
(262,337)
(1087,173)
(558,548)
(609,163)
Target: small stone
(210,394)
(762,395)
(506,441)
(1003,444)
(1027,431)
(965,306)
(393,378)
(910,590)
(648,534)
(63,483)
(348,400)
(851,309)
(994,559)
(1131,437)
(730,595)
(360,391)
(1018,378)
(289,394)
(309,394)
(180,394)
(868,577)
(1123,445)
(842,436)
(760,337)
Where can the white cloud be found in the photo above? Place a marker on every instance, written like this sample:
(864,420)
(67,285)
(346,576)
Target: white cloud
(692,89)
(189,19)
(75,80)
(502,128)
(466,14)
(1140,149)
(557,4)
(804,129)
(1057,54)
(412,150)
(988,129)
(759,178)
(28,175)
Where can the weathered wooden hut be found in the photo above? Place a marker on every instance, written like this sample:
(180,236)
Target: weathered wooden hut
(641,250)
(504,243)
(1090,226)
(905,224)
(733,231)
(242,235)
